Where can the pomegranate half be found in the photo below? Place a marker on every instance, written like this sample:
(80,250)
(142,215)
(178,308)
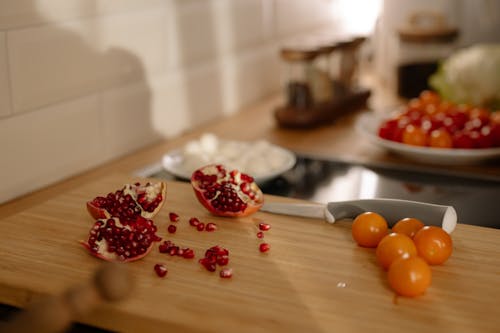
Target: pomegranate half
(111,240)
(226,193)
(131,201)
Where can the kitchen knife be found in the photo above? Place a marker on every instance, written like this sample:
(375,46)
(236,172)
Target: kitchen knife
(392,210)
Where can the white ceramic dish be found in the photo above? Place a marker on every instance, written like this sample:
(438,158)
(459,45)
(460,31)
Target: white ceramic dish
(176,162)
(369,123)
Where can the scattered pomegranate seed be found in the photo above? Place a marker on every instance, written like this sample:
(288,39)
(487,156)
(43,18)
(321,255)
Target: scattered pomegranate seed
(264,247)
(174,250)
(226,273)
(170,248)
(172,229)
(214,256)
(264,226)
(173,217)
(260,234)
(160,270)
(209,266)
(222,260)
(194,221)
(211,227)
(200,226)
(188,253)
(165,246)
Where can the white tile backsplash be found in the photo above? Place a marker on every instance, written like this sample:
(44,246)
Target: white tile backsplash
(196,38)
(5,106)
(83,82)
(22,13)
(127,119)
(42,147)
(56,62)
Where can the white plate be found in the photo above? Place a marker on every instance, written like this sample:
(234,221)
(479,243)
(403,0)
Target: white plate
(369,123)
(176,162)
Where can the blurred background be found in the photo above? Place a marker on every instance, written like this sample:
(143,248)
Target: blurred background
(83,82)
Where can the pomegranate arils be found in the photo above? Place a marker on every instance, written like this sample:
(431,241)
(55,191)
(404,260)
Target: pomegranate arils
(209,266)
(214,256)
(173,217)
(171,249)
(264,247)
(226,193)
(226,273)
(188,253)
(260,234)
(211,227)
(194,221)
(129,202)
(160,270)
(200,226)
(172,229)
(264,226)
(109,239)
(222,260)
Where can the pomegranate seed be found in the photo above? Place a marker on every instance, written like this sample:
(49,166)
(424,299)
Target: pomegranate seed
(222,260)
(173,251)
(165,246)
(264,226)
(188,253)
(260,234)
(226,273)
(209,266)
(194,221)
(173,217)
(214,256)
(200,226)
(172,229)
(264,247)
(211,227)
(160,270)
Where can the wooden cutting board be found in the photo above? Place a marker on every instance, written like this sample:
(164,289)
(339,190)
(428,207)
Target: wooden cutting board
(314,278)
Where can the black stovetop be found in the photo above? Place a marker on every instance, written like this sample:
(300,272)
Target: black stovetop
(476,199)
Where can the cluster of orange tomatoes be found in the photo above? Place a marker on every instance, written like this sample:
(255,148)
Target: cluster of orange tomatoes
(430,121)
(405,251)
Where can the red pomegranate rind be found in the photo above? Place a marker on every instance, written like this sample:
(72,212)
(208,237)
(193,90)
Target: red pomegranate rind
(226,193)
(131,201)
(111,240)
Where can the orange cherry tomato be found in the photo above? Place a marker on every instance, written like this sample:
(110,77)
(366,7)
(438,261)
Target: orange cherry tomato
(408,226)
(409,276)
(440,138)
(433,244)
(394,246)
(429,97)
(414,135)
(368,229)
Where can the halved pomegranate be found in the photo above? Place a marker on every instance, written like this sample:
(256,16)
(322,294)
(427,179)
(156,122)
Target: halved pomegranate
(131,201)
(111,240)
(226,193)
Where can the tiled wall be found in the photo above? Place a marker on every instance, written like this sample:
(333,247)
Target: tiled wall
(86,81)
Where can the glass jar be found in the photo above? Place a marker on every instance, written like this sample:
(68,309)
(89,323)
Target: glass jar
(299,62)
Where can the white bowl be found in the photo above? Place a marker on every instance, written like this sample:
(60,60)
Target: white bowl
(368,125)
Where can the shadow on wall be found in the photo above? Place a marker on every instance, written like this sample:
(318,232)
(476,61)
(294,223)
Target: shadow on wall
(75,106)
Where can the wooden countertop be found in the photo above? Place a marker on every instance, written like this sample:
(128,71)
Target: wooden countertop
(293,289)
(314,278)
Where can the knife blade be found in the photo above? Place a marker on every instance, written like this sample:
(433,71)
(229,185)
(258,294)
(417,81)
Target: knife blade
(392,210)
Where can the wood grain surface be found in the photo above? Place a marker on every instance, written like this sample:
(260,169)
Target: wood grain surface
(314,278)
